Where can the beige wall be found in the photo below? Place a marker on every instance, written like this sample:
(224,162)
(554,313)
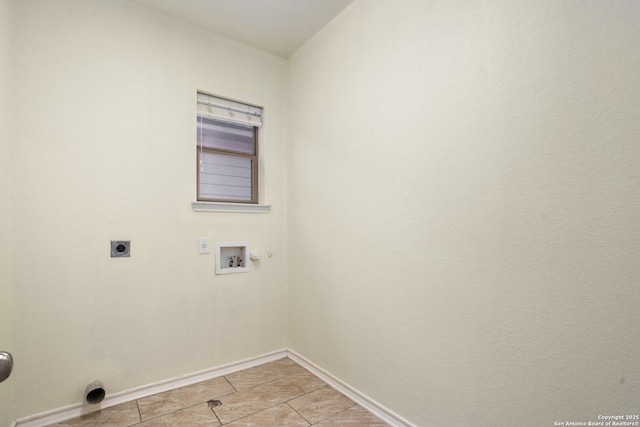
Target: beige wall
(6,126)
(462,195)
(464,208)
(105,149)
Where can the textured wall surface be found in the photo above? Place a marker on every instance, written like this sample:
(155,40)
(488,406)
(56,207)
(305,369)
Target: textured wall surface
(105,106)
(462,205)
(465,208)
(6,127)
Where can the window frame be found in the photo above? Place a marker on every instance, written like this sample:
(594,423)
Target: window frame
(255,160)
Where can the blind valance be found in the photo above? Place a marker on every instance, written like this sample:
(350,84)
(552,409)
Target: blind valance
(229,111)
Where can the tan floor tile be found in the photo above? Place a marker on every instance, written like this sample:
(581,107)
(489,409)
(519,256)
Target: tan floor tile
(170,401)
(253,376)
(278,416)
(355,416)
(286,366)
(299,375)
(321,404)
(259,401)
(122,415)
(306,380)
(256,399)
(198,415)
(281,368)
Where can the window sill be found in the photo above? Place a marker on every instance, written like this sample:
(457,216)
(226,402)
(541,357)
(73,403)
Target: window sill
(229,207)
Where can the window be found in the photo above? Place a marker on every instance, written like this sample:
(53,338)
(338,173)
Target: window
(227,150)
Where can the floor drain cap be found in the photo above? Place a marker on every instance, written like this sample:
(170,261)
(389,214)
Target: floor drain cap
(214,403)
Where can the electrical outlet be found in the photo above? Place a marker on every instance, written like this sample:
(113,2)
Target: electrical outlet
(203,245)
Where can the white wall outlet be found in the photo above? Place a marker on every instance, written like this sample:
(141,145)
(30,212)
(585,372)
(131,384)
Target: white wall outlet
(203,245)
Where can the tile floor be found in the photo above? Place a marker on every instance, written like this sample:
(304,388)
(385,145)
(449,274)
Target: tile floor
(280,393)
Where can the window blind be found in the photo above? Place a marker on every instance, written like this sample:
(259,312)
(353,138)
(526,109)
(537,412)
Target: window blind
(225,177)
(229,111)
(227,146)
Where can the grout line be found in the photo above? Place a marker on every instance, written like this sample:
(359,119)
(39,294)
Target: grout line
(235,391)
(187,407)
(304,393)
(270,407)
(215,415)
(378,410)
(227,379)
(169,413)
(294,410)
(77,410)
(344,410)
(262,410)
(326,418)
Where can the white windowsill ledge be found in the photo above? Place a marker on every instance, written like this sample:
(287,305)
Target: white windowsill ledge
(229,207)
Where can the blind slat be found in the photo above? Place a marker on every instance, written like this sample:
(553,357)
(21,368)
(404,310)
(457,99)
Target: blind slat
(225,192)
(226,136)
(225,177)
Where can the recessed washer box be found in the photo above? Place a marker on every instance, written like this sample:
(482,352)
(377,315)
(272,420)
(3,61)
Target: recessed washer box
(232,257)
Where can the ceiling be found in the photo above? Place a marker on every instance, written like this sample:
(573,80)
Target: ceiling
(276,26)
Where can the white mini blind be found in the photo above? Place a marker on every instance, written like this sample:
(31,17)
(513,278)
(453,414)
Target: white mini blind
(229,111)
(227,147)
(225,178)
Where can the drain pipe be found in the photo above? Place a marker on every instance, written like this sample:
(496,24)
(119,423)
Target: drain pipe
(94,392)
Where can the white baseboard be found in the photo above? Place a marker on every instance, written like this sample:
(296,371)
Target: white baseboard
(79,409)
(361,399)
